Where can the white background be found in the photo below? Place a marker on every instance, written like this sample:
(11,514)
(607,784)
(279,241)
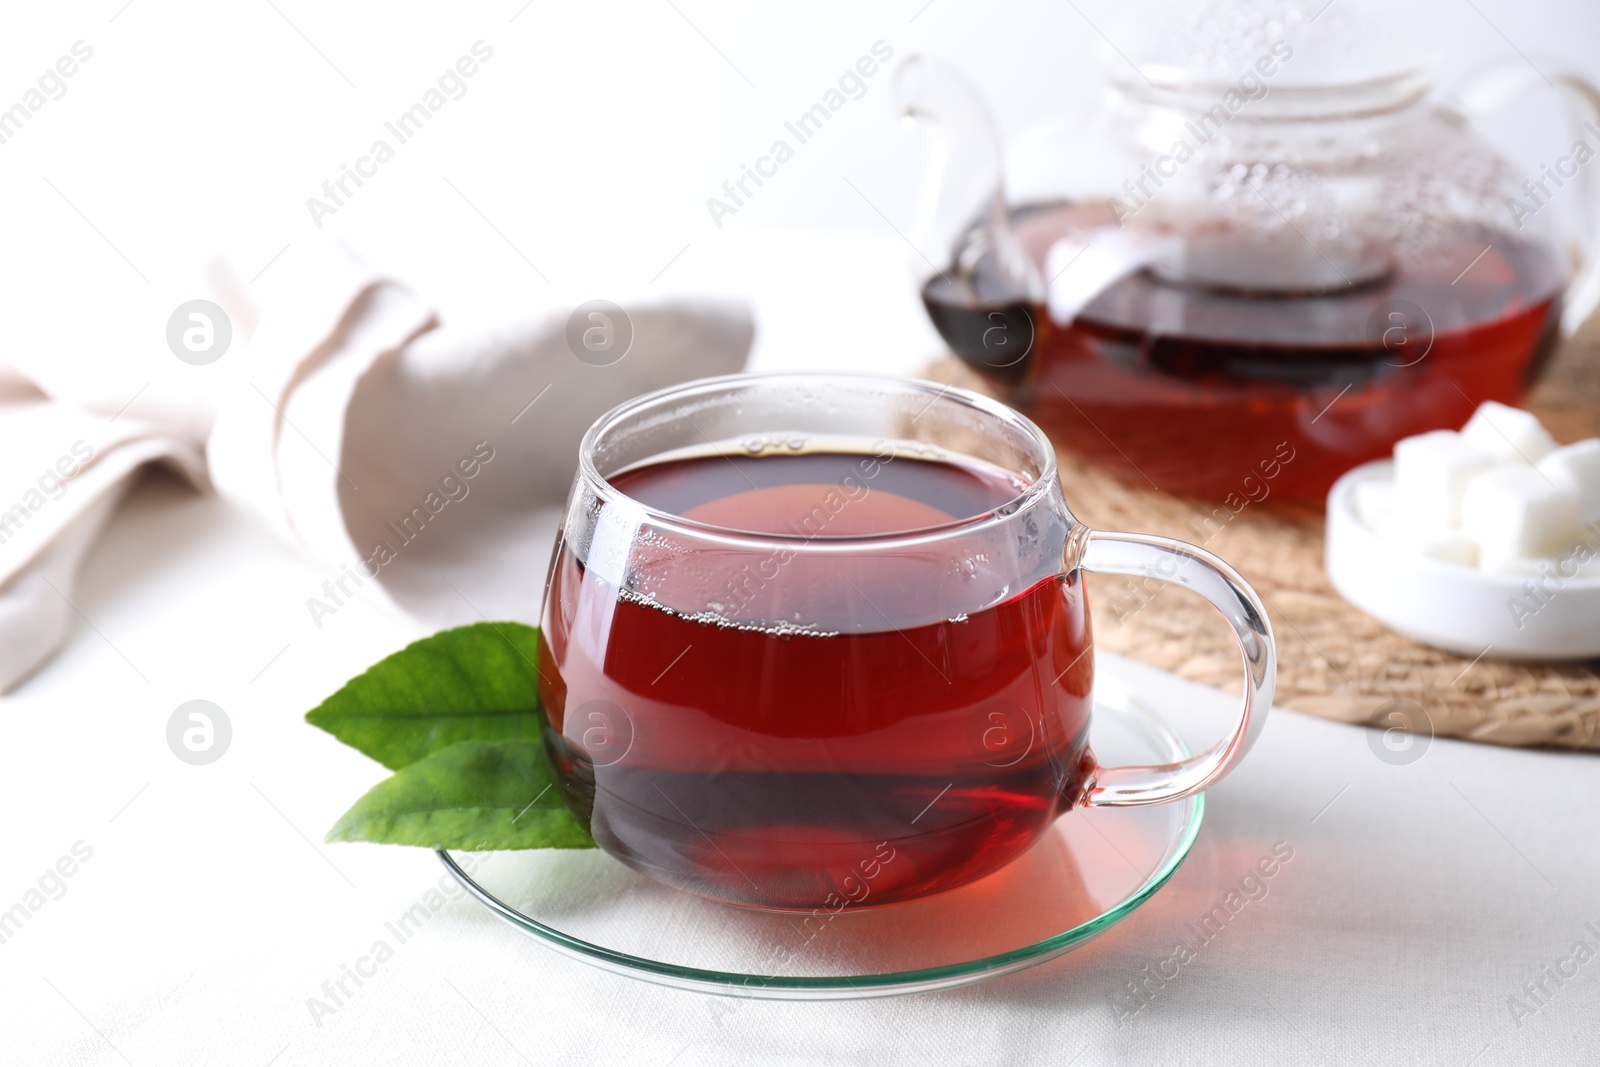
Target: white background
(587,147)
(590,142)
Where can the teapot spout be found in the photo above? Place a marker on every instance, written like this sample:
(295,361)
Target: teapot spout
(963,213)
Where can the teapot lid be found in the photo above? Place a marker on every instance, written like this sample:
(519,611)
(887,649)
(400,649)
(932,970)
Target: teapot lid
(1345,55)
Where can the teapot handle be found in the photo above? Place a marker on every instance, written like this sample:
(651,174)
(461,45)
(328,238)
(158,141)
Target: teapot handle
(1507,84)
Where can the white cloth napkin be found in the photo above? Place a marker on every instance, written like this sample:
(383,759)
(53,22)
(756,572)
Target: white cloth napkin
(411,458)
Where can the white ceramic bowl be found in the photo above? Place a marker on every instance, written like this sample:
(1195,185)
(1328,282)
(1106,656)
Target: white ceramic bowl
(1451,606)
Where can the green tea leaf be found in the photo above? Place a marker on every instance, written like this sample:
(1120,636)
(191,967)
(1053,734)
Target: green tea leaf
(475,796)
(475,682)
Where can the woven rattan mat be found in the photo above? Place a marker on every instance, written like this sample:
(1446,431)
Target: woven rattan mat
(1334,660)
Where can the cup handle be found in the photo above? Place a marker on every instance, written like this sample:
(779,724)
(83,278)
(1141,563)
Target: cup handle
(1146,555)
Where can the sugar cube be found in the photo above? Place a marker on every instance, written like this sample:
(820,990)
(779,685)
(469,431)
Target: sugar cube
(1374,502)
(1452,546)
(1578,466)
(1391,527)
(1516,511)
(1507,433)
(1431,472)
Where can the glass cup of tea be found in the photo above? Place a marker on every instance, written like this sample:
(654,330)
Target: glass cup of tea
(813,640)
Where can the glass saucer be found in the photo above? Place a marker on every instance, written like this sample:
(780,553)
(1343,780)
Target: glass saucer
(1090,872)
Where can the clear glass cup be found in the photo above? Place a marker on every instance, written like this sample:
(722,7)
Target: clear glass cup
(834,714)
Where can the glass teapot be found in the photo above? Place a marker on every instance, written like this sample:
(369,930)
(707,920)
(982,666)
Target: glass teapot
(1268,255)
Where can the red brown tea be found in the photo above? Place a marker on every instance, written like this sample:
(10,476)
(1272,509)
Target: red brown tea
(793,729)
(1192,387)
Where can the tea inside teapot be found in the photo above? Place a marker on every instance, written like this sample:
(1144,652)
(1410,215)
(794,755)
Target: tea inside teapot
(1189,380)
